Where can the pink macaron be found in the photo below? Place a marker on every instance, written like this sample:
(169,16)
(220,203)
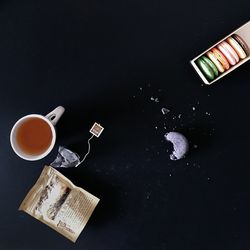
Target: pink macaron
(228,52)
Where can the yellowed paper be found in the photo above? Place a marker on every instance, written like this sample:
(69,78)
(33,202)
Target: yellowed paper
(57,202)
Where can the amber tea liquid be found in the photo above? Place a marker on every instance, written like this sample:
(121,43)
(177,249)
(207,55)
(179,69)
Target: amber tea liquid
(34,136)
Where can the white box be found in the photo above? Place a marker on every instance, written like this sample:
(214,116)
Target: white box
(244,33)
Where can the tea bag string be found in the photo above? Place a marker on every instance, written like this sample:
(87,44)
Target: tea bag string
(86,153)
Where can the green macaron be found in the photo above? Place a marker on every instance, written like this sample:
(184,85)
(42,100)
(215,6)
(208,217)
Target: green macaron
(206,69)
(211,65)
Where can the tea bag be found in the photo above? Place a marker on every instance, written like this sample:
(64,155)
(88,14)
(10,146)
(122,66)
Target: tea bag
(68,159)
(65,159)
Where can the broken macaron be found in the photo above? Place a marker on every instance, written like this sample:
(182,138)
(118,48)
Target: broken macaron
(180,145)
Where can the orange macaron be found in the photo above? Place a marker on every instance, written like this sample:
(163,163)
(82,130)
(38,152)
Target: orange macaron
(216,62)
(221,58)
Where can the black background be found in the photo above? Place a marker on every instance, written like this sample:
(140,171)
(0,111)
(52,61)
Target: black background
(103,61)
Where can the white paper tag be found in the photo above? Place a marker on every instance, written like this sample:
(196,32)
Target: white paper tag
(96,129)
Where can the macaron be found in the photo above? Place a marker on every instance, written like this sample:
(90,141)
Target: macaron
(236,46)
(231,56)
(206,69)
(242,43)
(221,58)
(211,65)
(216,62)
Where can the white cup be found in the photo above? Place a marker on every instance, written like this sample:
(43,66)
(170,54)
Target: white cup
(51,119)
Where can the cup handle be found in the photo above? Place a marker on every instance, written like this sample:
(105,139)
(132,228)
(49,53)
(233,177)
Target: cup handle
(55,115)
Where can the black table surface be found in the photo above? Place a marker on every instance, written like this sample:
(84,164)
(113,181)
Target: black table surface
(105,61)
